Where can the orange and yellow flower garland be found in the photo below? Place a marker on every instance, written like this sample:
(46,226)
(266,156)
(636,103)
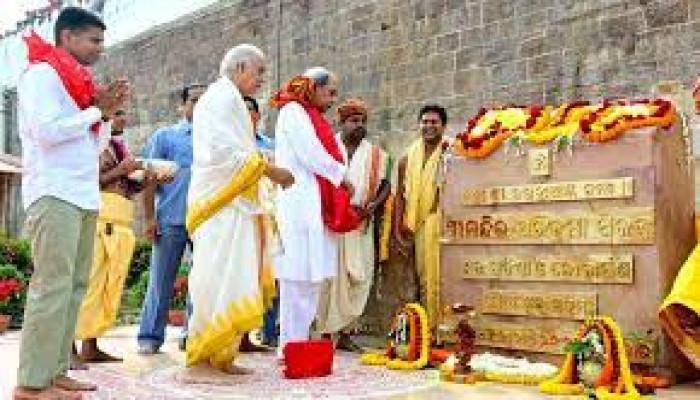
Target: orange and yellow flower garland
(419,343)
(615,382)
(597,123)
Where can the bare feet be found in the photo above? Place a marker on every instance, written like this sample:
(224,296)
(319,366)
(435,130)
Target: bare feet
(67,383)
(206,373)
(236,370)
(346,343)
(247,346)
(76,363)
(49,393)
(92,354)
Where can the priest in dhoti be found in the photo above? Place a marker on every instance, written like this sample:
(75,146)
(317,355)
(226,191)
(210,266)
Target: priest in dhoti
(114,243)
(312,213)
(230,283)
(417,218)
(344,297)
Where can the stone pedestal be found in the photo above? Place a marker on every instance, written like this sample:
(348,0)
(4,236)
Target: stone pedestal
(539,241)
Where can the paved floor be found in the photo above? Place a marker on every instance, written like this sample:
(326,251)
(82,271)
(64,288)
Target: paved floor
(155,377)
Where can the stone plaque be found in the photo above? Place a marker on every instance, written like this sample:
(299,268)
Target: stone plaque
(603,230)
(536,337)
(618,226)
(576,306)
(525,336)
(585,268)
(616,188)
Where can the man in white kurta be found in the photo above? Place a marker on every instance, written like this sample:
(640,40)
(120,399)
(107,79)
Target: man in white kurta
(230,283)
(310,253)
(344,297)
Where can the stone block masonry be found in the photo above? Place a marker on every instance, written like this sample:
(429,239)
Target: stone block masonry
(398,55)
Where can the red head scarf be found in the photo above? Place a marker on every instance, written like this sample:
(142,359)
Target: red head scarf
(76,78)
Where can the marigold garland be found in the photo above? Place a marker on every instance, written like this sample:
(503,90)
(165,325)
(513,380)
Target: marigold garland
(486,131)
(616,381)
(420,359)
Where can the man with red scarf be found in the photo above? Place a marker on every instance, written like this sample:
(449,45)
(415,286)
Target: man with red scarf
(63,122)
(312,213)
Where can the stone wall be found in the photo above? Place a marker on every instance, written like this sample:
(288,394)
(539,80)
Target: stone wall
(399,54)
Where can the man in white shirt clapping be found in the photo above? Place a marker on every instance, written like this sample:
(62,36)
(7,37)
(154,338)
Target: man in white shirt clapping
(63,121)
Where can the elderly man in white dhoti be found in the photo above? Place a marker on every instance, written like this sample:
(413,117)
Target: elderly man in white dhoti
(230,283)
(317,208)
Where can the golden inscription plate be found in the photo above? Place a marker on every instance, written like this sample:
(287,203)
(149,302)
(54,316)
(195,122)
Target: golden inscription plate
(588,268)
(576,306)
(616,226)
(525,337)
(616,188)
(537,338)
(539,161)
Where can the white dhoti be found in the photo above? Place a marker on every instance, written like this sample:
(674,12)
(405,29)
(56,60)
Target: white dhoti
(344,297)
(230,282)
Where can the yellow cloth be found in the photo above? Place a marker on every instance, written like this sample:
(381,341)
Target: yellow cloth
(685,292)
(421,190)
(420,184)
(215,334)
(231,282)
(427,243)
(113,250)
(244,184)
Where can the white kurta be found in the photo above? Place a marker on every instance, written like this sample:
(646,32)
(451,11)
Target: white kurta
(310,249)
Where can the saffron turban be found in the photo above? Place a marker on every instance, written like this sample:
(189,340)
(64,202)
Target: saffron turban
(351,107)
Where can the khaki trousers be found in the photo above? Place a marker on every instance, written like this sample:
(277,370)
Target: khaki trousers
(62,239)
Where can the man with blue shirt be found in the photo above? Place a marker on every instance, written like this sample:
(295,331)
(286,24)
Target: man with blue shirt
(165,209)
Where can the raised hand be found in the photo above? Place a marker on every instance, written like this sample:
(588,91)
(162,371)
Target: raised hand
(129,165)
(349,187)
(279,176)
(110,98)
